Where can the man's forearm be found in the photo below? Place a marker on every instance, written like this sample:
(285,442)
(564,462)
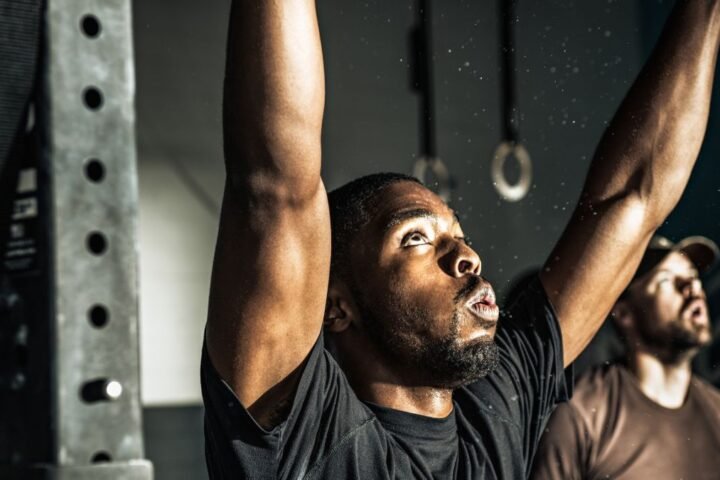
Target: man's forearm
(274,96)
(651,145)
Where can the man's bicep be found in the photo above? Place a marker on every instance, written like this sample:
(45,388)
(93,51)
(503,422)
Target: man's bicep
(592,264)
(268,292)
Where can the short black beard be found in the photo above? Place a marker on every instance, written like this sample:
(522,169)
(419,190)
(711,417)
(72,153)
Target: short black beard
(443,363)
(449,365)
(671,344)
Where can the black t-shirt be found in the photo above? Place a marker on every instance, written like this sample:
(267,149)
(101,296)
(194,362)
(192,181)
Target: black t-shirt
(331,434)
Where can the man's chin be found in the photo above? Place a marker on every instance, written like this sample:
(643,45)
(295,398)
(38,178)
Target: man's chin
(464,365)
(704,339)
(481,335)
(691,340)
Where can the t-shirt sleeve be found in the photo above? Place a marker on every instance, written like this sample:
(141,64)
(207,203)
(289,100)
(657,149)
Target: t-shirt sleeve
(561,453)
(324,410)
(530,378)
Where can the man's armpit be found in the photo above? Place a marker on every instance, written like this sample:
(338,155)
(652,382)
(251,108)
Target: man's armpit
(274,406)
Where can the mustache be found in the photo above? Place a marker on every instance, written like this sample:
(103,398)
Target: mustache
(469,288)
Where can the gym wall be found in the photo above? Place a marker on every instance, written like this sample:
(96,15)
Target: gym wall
(575,61)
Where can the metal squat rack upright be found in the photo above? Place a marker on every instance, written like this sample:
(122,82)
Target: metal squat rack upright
(69,366)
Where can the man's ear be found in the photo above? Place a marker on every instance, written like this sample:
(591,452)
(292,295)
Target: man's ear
(623,316)
(339,309)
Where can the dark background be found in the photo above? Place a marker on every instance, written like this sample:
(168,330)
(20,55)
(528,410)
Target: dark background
(575,61)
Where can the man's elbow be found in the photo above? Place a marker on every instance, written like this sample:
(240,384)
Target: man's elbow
(660,193)
(645,200)
(631,210)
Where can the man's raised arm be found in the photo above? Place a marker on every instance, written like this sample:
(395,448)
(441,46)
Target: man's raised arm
(637,176)
(272,258)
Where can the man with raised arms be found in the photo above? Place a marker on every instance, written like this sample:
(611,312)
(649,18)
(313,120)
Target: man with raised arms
(426,382)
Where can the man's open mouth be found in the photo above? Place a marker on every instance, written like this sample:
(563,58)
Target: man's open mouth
(696,311)
(482,304)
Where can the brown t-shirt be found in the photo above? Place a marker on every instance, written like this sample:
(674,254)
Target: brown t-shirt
(611,430)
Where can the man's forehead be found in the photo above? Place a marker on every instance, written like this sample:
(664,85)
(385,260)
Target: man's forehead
(406,200)
(676,262)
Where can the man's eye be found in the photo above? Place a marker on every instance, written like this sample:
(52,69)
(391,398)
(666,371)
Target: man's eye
(414,238)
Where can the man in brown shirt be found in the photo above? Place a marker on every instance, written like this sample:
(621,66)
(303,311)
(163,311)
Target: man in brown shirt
(649,418)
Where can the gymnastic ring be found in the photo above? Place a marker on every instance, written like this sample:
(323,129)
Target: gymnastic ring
(439,170)
(511,193)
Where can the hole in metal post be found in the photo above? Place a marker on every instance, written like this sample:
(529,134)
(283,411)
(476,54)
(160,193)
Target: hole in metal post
(101,457)
(93,98)
(98,316)
(101,390)
(94,170)
(90,26)
(96,243)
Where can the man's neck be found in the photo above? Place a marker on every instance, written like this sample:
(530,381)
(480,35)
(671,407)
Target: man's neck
(374,382)
(666,384)
(376,379)
(427,401)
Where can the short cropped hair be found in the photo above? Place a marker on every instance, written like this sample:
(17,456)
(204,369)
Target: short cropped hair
(351,208)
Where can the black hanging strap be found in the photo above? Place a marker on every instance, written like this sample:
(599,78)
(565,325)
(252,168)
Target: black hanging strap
(428,163)
(422,77)
(507,53)
(510,146)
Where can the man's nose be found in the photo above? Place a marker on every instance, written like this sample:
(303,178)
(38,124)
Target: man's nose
(465,261)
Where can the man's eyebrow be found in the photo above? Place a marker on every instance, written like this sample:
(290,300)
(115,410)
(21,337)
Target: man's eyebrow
(399,217)
(692,272)
(403,215)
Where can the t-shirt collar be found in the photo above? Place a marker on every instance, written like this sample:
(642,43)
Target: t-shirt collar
(411,424)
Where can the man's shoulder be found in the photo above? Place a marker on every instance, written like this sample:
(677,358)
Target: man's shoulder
(706,392)
(528,308)
(594,400)
(598,384)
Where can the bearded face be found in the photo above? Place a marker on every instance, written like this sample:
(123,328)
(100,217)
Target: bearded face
(669,308)
(417,287)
